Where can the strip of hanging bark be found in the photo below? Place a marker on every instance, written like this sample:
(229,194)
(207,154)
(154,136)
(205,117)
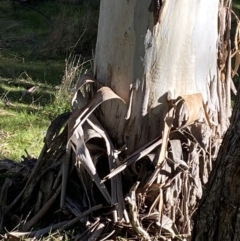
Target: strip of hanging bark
(78,100)
(28,225)
(116,182)
(190,109)
(65,169)
(130,103)
(165,138)
(77,119)
(137,155)
(84,79)
(83,156)
(154,204)
(228,79)
(233,87)
(3,198)
(57,180)
(75,130)
(133,213)
(38,202)
(55,127)
(88,134)
(73,221)
(145,150)
(47,157)
(80,116)
(160,203)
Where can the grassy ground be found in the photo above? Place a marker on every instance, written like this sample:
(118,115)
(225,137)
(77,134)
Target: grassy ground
(33,49)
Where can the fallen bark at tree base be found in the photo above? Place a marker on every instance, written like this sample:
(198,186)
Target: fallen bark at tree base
(167,186)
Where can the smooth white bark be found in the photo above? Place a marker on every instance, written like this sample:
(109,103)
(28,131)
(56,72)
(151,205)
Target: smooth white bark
(177,54)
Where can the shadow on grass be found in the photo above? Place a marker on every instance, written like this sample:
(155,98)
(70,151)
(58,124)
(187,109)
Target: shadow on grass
(16,98)
(48,72)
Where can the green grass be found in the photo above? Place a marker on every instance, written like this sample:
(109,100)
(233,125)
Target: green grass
(32,53)
(24,119)
(21,131)
(49,71)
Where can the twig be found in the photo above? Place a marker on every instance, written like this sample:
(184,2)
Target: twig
(64,170)
(131,199)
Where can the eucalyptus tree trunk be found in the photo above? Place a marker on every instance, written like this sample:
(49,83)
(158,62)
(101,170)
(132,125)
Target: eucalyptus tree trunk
(146,49)
(150,53)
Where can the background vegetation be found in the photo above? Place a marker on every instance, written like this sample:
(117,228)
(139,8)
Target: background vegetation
(44,47)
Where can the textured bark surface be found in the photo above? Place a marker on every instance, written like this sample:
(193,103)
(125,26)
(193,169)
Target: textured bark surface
(158,49)
(219,212)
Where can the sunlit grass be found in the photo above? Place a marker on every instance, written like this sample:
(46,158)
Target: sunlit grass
(20,132)
(24,119)
(32,53)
